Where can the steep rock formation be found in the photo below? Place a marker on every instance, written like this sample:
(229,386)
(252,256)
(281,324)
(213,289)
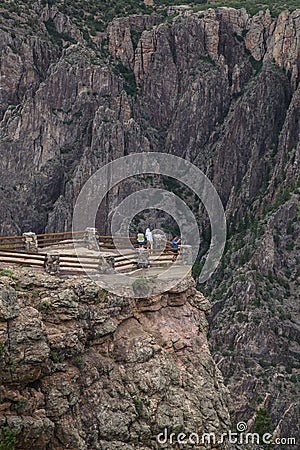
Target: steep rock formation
(83,369)
(218,87)
(199,81)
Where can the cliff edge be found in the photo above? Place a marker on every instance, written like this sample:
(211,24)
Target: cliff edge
(84,369)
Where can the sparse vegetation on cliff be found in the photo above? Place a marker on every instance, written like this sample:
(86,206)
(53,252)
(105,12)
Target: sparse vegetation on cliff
(92,16)
(252,6)
(212,88)
(7,438)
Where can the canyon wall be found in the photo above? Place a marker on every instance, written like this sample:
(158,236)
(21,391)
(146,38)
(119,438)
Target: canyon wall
(218,87)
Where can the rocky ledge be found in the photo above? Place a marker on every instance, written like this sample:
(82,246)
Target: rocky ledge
(84,369)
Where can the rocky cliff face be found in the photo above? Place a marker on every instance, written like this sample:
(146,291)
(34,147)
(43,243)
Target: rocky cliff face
(83,369)
(217,87)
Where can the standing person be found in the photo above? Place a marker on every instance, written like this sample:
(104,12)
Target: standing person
(140,239)
(149,239)
(175,246)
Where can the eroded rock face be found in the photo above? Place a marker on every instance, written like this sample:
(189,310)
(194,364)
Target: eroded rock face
(219,88)
(83,369)
(216,87)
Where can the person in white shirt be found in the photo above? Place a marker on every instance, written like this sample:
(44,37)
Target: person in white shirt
(149,238)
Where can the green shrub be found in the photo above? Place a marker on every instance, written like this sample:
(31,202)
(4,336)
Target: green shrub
(257,320)
(289,227)
(259,276)
(197,267)
(129,85)
(257,65)
(256,302)
(56,358)
(20,405)
(2,349)
(78,361)
(265,364)
(8,273)
(208,59)
(263,423)
(44,305)
(8,438)
(56,37)
(252,6)
(135,37)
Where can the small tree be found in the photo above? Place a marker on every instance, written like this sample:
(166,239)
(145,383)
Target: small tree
(263,424)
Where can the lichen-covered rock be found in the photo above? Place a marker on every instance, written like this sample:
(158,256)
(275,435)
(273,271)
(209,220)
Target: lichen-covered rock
(9,307)
(85,370)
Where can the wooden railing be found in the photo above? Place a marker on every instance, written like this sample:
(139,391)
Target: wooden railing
(49,239)
(70,263)
(14,251)
(68,237)
(12,242)
(44,240)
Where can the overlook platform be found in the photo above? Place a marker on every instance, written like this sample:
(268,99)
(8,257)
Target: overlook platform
(85,254)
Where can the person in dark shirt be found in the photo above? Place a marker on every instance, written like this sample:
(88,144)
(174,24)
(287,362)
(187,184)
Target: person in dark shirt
(175,246)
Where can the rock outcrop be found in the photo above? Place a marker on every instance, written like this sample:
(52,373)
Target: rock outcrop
(84,369)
